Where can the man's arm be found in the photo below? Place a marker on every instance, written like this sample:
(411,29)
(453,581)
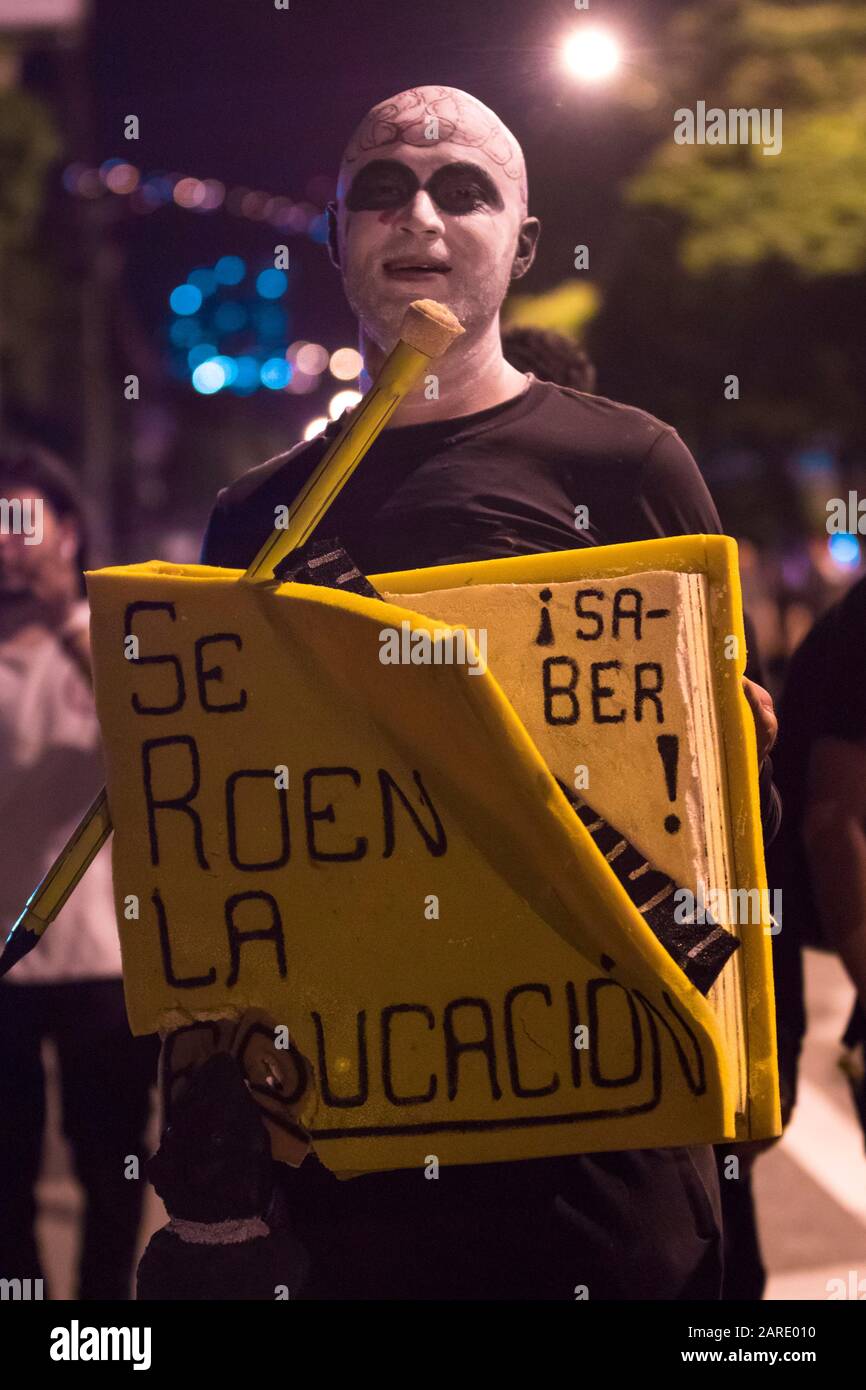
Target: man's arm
(835,842)
(243,515)
(215,548)
(674,499)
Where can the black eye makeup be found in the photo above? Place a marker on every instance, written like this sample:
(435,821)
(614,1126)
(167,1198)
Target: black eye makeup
(383,183)
(455,188)
(458,188)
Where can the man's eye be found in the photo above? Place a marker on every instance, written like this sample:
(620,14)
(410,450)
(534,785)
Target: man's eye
(379,192)
(460,197)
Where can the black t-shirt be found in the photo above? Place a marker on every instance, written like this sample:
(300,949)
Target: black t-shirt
(504,481)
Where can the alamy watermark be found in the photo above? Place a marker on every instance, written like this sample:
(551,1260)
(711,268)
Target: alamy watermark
(21,1290)
(444,646)
(846,518)
(738,125)
(22,517)
(77,1343)
(730,907)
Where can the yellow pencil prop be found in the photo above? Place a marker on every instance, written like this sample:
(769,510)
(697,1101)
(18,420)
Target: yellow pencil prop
(427,331)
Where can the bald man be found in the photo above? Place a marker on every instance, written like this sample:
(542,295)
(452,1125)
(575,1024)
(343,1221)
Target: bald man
(432,203)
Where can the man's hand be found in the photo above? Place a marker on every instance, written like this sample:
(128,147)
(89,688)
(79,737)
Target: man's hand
(764,714)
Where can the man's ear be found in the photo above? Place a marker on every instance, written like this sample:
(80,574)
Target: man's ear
(333,251)
(527,245)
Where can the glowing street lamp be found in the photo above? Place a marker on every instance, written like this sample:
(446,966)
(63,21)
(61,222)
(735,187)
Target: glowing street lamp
(592,54)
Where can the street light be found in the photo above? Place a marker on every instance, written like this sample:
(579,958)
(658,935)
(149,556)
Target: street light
(592,54)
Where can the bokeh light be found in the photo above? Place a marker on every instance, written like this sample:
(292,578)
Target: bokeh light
(160,189)
(316,426)
(270,284)
(70,176)
(312,358)
(247,379)
(184,333)
(844,550)
(185,299)
(88,184)
(200,353)
(230,270)
(204,280)
(346,364)
(189,193)
(123,178)
(229,366)
(275,373)
(228,314)
(214,194)
(592,54)
(209,377)
(301,384)
(342,400)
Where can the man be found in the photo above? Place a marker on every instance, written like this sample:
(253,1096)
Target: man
(70,989)
(432,203)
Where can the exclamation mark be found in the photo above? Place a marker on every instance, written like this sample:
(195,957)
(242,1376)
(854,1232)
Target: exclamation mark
(545,627)
(669,752)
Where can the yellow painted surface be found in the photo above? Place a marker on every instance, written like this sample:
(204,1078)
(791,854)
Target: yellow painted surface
(420,906)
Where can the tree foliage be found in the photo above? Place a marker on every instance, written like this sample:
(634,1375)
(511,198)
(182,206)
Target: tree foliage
(805,206)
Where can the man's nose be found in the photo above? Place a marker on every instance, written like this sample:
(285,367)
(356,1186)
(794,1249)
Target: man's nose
(422,214)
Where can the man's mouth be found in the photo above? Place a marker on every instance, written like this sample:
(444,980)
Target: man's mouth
(415,270)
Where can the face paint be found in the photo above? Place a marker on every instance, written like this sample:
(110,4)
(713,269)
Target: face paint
(457,189)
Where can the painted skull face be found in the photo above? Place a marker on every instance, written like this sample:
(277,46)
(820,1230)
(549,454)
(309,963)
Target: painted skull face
(430,200)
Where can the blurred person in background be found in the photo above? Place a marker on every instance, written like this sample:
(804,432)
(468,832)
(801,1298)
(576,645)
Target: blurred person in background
(70,989)
(819,860)
(549,356)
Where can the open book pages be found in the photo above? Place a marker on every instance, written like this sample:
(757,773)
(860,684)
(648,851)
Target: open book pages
(613,680)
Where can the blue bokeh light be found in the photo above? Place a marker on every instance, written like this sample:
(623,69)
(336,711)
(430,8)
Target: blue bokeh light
(229,366)
(247,379)
(159,189)
(185,333)
(318,229)
(844,550)
(238,339)
(204,280)
(275,373)
(201,353)
(185,299)
(209,377)
(230,270)
(270,283)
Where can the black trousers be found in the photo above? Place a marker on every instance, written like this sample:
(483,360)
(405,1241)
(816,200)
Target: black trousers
(632,1226)
(745,1276)
(105,1077)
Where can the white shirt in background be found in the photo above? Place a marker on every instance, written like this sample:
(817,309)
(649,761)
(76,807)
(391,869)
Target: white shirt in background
(51,769)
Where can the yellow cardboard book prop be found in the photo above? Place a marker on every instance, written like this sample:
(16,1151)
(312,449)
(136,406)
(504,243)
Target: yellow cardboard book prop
(332,810)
